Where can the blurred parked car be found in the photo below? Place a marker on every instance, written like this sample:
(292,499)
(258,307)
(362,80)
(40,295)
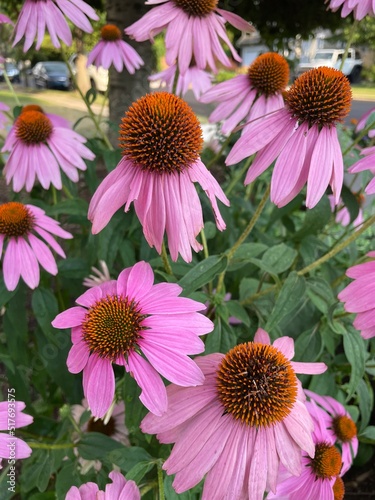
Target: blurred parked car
(52,75)
(98,76)
(12,72)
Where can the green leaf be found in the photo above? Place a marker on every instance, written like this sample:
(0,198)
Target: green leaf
(38,472)
(45,309)
(222,339)
(203,273)
(111,159)
(316,219)
(366,403)
(235,309)
(248,287)
(5,294)
(91,95)
(248,251)
(130,393)
(68,476)
(128,458)
(350,202)
(138,472)
(290,297)
(320,293)
(76,206)
(94,446)
(17,111)
(368,435)
(308,346)
(355,351)
(279,258)
(279,213)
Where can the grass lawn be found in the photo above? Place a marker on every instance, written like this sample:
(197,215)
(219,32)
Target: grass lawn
(363,93)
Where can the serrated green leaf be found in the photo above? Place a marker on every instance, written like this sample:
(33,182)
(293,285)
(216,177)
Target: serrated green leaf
(290,297)
(38,472)
(203,273)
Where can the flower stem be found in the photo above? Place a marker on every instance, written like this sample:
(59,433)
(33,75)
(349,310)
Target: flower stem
(160,480)
(337,248)
(238,176)
(10,87)
(175,80)
(46,446)
(244,235)
(164,257)
(89,109)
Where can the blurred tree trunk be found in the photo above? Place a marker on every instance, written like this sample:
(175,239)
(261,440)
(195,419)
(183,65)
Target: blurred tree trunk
(125,88)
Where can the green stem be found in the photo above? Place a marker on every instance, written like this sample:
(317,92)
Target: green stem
(68,193)
(10,87)
(90,111)
(219,154)
(160,480)
(204,243)
(349,43)
(54,195)
(244,235)
(175,81)
(45,446)
(105,98)
(335,250)
(164,257)
(238,176)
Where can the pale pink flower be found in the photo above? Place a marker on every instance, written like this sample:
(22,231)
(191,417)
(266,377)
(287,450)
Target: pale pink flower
(319,471)
(235,429)
(21,227)
(119,489)
(117,321)
(5,19)
(366,163)
(37,15)
(38,150)
(98,276)
(359,8)
(11,414)
(358,296)
(161,139)
(301,137)
(343,214)
(250,96)
(111,49)
(193,30)
(362,122)
(196,79)
(112,425)
(339,422)
(4,108)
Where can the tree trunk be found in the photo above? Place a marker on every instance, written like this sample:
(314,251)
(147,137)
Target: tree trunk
(123,87)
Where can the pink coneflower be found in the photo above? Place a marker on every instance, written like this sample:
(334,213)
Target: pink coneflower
(358,296)
(360,8)
(366,163)
(247,418)
(120,489)
(38,149)
(319,474)
(343,214)
(196,79)
(118,321)
(193,29)
(250,96)
(342,426)
(111,49)
(11,415)
(362,122)
(161,139)
(21,227)
(4,108)
(98,276)
(301,137)
(113,426)
(37,15)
